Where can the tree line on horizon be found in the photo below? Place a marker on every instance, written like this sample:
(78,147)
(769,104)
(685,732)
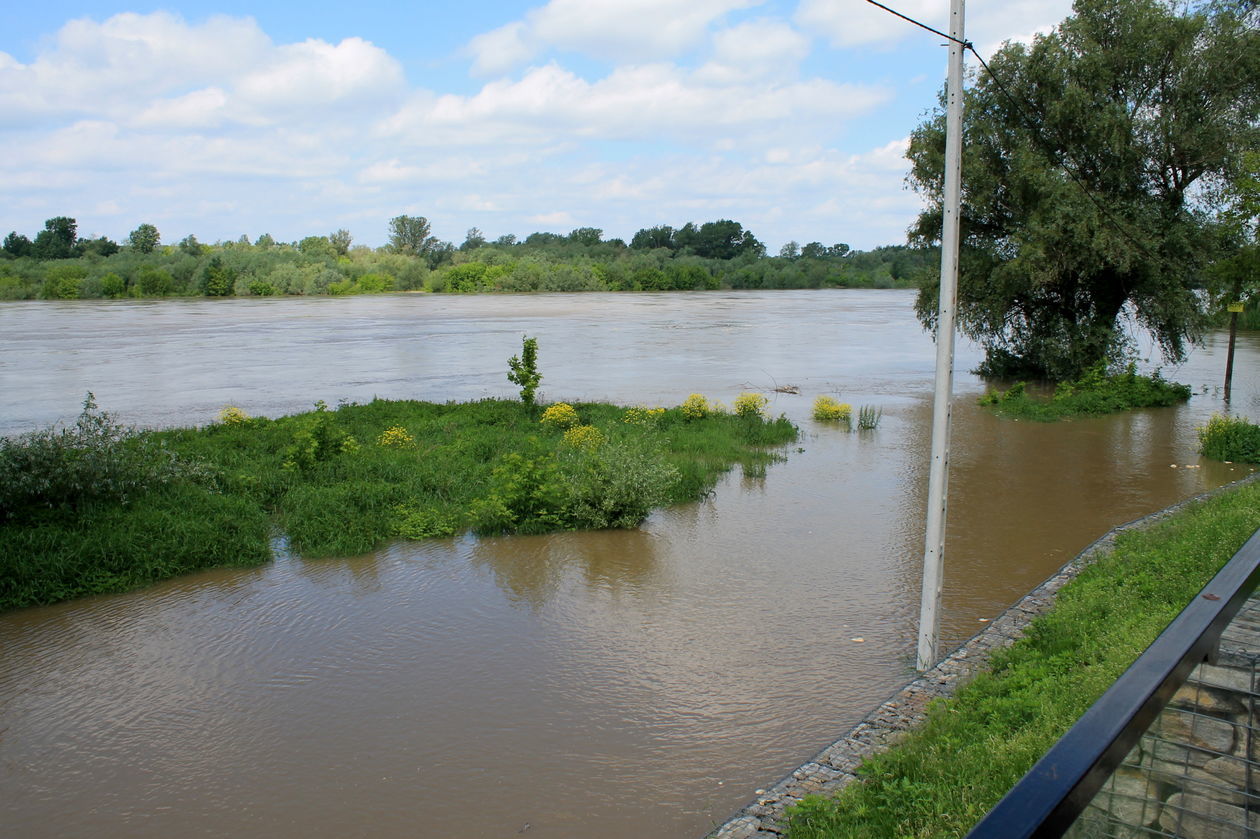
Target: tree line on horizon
(57,264)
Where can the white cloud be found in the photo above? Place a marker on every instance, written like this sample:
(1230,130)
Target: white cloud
(630,31)
(756,49)
(638,102)
(849,23)
(559,218)
(499,50)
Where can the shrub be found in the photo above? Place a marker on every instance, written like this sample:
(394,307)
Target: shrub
(616,484)
(396,437)
(96,459)
(316,440)
(749,404)
(113,285)
(586,437)
(1095,392)
(232,415)
(1230,438)
(560,415)
(695,407)
(828,409)
(526,495)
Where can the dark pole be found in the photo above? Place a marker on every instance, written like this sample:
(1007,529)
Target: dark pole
(1229,356)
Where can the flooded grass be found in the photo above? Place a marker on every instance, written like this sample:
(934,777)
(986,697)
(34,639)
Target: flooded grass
(345,481)
(1096,392)
(975,746)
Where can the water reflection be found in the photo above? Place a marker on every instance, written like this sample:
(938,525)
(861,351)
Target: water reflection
(531,569)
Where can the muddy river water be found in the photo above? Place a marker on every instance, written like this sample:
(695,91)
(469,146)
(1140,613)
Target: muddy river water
(612,684)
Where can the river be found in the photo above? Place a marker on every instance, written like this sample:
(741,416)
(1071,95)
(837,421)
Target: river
(617,684)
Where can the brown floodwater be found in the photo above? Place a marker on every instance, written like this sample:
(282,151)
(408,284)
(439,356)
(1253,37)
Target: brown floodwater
(619,683)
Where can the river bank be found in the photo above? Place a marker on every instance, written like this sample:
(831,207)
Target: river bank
(847,788)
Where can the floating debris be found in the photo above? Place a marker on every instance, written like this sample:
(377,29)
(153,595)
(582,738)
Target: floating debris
(857,640)
(787,389)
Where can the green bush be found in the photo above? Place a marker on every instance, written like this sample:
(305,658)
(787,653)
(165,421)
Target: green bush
(96,459)
(1230,438)
(615,484)
(527,495)
(317,439)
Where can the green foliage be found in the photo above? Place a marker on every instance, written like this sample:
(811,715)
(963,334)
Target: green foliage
(523,370)
(1145,103)
(1231,439)
(317,438)
(144,239)
(95,460)
(527,495)
(947,773)
(1095,392)
(615,483)
(113,285)
(423,523)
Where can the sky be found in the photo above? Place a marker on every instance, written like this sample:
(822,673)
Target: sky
(227,118)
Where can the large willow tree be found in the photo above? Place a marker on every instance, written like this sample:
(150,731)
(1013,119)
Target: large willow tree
(1088,185)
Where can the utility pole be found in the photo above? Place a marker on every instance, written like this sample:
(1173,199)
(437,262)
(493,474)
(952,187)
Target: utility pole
(934,543)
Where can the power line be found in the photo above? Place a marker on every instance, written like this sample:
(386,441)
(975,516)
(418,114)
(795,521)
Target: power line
(1050,149)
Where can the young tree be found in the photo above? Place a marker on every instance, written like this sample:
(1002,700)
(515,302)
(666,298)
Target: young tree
(1084,174)
(144,239)
(341,241)
(410,235)
(473,240)
(523,370)
(15,244)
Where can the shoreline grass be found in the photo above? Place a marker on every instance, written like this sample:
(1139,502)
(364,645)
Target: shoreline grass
(1096,392)
(340,482)
(974,746)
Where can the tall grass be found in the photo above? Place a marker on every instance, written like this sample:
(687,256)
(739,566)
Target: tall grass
(973,747)
(1096,392)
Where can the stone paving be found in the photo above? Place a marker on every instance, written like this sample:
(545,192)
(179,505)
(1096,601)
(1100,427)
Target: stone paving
(835,767)
(1196,772)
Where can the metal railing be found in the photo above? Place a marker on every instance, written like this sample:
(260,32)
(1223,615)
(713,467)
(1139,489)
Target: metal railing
(1047,800)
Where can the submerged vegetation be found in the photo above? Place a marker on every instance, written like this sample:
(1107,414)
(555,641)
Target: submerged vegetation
(99,507)
(1230,439)
(59,265)
(947,773)
(1095,392)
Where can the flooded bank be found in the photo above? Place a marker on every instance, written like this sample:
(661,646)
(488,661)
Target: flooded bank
(577,683)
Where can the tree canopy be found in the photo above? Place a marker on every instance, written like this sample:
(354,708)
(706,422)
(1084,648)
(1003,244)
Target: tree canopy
(1091,165)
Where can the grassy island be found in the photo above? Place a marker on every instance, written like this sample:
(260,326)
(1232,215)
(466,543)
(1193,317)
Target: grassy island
(98,507)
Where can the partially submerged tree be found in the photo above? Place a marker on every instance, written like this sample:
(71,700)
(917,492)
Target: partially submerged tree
(1088,169)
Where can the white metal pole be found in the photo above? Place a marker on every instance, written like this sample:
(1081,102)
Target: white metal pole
(934,543)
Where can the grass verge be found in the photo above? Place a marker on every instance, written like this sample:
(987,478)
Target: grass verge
(1096,392)
(338,482)
(974,746)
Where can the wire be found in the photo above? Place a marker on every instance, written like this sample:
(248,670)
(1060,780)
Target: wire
(966,44)
(1051,150)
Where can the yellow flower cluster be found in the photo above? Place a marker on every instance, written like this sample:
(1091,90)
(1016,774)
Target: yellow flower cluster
(232,415)
(396,437)
(827,409)
(749,404)
(586,437)
(560,415)
(643,416)
(695,407)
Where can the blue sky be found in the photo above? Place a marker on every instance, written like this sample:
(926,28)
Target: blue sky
(229,118)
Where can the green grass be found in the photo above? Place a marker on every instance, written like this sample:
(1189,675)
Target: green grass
(323,478)
(1096,392)
(973,747)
